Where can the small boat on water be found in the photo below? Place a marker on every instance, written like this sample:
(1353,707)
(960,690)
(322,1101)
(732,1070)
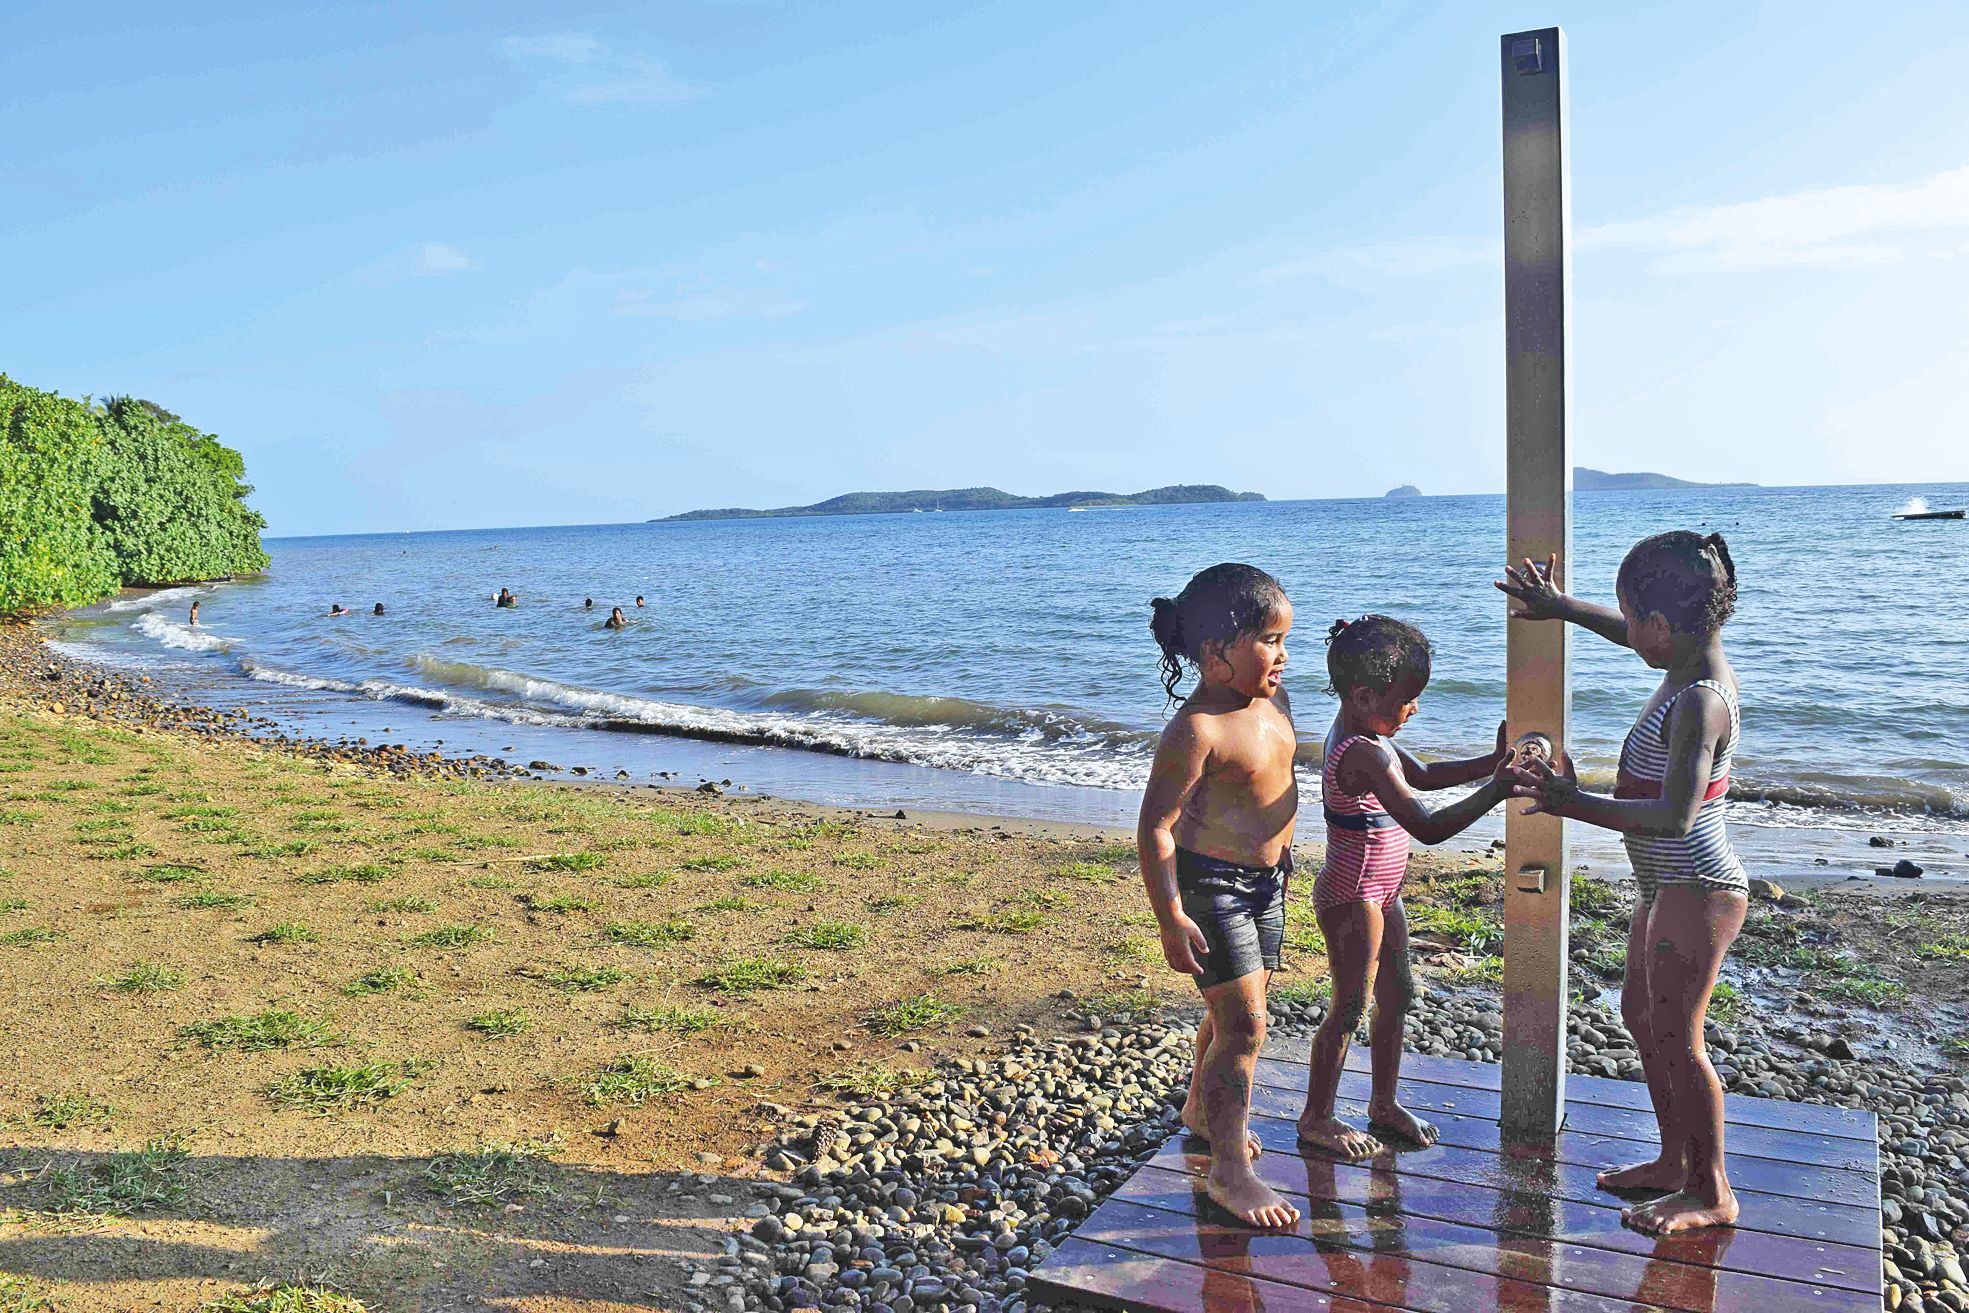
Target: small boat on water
(1933,515)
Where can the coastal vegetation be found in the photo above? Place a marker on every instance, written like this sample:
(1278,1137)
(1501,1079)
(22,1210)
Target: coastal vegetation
(97,495)
(981,499)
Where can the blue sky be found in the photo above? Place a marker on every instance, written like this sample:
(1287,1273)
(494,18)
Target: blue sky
(444,265)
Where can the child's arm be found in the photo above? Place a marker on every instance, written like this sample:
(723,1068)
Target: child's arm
(1539,590)
(1449,774)
(1379,771)
(1696,724)
(1179,761)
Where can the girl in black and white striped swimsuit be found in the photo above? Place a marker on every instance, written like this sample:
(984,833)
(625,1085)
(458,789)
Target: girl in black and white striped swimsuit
(1676,591)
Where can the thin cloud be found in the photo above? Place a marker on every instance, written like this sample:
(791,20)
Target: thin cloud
(709,304)
(434,259)
(1878,223)
(588,71)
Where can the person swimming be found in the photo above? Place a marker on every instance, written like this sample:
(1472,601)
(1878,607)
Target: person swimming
(639,601)
(616,620)
(194,615)
(338,609)
(506,598)
(587,603)
(378,610)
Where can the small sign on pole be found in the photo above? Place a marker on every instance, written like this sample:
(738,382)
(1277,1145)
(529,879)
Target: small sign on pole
(1537,404)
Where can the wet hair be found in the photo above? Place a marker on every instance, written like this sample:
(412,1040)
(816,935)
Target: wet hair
(1686,578)
(1219,605)
(1374,652)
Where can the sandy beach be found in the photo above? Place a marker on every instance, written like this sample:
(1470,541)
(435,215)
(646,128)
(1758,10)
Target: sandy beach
(297,982)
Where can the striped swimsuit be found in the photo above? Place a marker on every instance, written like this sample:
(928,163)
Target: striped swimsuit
(1703,856)
(1366,852)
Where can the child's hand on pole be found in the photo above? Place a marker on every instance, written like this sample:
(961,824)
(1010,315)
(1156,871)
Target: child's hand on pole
(1536,587)
(1183,945)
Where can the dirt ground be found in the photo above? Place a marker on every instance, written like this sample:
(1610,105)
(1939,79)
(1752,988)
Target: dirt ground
(195,935)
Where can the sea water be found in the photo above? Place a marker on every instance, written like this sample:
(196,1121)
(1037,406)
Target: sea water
(1001,660)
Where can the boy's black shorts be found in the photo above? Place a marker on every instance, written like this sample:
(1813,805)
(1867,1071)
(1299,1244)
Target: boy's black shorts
(1240,909)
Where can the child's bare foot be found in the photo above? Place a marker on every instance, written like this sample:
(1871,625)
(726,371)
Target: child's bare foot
(1331,1135)
(1249,1199)
(1682,1211)
(1399,1122)
(1662,1173)
(1193,1123)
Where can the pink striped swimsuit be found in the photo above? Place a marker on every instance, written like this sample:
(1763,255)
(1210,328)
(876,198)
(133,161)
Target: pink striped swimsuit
(1366,851)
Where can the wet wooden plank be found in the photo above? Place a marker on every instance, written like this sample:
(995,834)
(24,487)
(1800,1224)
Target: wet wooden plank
(1568,1222)
(1394,1280)
(1761,1175)
(1810,1219)
(1107,1276)
(1787,1147)
(1385,1224)
(1292,1051)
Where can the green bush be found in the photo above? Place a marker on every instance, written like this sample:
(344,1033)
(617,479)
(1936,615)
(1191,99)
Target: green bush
(95,496)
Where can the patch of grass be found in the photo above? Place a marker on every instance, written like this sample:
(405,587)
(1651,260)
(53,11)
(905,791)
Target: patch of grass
(325,1089)
(14,905)
(275,1028)
(1597,898)
(1115,854)
(1727,1004)
(366,873)
(722,862)
(583,861)
(61,1111)
(212,898)
(702,824)
(120,1184)
(1011,921)
(1302,931)
(1946,946)
(642,880)
(1126,1005)
(491,882)
(1302,992)
(786,882)
(292,848)
(1136,950)
(731,903)
(285,1298)
(872,1080)
(408,903)
(970,966)
(669,1020)
(1475,931)
(129,852)
(453,936)
(19,1295)
(146,978)
(634,1080)
(561,903)
(1092,872)
(501,1023)
(28,936)
(15,816)
(383,980)
(745,976)
(834,936)
(919,1013)
(884,904)
(1870,990)
(433,854)
(491,1174)
(651,934)
(287,932)
(584,979)
(168,873)
(1486,970)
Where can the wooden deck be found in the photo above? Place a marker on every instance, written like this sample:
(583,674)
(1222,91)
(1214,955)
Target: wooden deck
(1472,1224)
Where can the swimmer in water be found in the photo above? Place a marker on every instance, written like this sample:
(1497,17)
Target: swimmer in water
(194,615)
(378,610)
(338,609)
(616,620)
(639,602)
(506,598)
(587,603)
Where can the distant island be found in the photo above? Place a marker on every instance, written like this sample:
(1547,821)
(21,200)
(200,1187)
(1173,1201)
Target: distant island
(1585,480)
(1406,490)
(978,499)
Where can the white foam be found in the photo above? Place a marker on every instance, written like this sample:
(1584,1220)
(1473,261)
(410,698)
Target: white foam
(1914,506)
(154,601)
(183,637)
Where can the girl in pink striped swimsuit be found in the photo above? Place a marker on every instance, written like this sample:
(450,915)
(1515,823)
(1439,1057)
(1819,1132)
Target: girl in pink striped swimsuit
(1378,668)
